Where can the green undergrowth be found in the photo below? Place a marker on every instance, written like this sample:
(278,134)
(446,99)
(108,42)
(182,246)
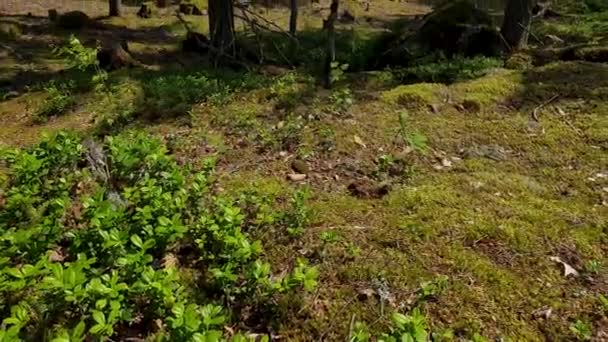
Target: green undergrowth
(590,27)
(115,240)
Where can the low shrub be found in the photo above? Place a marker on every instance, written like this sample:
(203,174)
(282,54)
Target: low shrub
(114,241)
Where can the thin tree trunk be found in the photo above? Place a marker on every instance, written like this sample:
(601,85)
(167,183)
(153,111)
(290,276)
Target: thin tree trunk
(328,24)
(221,28)
(114,8)
(293,19)
(516,24)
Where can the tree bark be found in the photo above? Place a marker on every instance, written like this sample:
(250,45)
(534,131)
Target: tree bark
(293,19)
(115,8)
(516,24)
(221,28)
(328,25)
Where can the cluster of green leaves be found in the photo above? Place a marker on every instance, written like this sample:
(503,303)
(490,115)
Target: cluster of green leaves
(446,70)
(176,93)
(596,5)
(415,140)
(59,100)
(405,328)
(582,330)
(101,241)
(78,56)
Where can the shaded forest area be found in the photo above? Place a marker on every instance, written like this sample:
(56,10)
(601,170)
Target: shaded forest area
(304,170)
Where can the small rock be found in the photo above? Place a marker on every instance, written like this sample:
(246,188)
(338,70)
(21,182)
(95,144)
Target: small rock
(434,107)
(296,177)
(300,166)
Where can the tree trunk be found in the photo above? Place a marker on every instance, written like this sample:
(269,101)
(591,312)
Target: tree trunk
(293,19)
(114,8)
(516,24)
(328,24)
(221,28)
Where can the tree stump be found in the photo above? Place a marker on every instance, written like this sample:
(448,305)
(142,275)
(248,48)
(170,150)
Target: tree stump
(115,57)
(195,42)
(144,12)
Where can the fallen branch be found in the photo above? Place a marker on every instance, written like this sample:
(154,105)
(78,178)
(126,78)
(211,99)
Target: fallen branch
(11,50)
(279,29)
(539,107)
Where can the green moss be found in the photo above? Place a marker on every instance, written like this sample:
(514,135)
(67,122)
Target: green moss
(415,95)
(492,88)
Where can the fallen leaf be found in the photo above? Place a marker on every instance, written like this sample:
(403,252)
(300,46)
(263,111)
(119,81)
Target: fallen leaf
(57,256)
(359,142)
(568,270)
(446,162)
(543,313)
(296,177)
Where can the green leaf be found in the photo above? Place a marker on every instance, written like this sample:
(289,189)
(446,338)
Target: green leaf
(96,329)
(99,317)
(14,272)
(136,240)
(78,332)
(400,320)
(61,339)
(178,309)
(100,304)
(163,221)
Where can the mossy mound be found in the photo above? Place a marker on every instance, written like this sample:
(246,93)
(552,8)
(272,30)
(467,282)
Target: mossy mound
(73,20)
(456,28)
(414,95)
(9,31)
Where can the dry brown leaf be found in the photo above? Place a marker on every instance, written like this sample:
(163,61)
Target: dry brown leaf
(359,141)
(568,270)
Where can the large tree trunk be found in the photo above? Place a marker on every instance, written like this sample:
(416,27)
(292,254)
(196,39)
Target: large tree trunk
(221,28)
(516,24)
(293,19)
(328,25)
(114,8)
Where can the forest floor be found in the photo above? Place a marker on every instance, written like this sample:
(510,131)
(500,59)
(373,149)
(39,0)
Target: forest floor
(455,198)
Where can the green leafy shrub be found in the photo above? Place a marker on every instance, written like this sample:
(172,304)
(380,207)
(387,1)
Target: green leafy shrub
(341,100)
(59,100)
(78,56)
(411,327)
(176,93)
(99,241)
(448,70)
(582,330)
(596,5)
(415,140)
